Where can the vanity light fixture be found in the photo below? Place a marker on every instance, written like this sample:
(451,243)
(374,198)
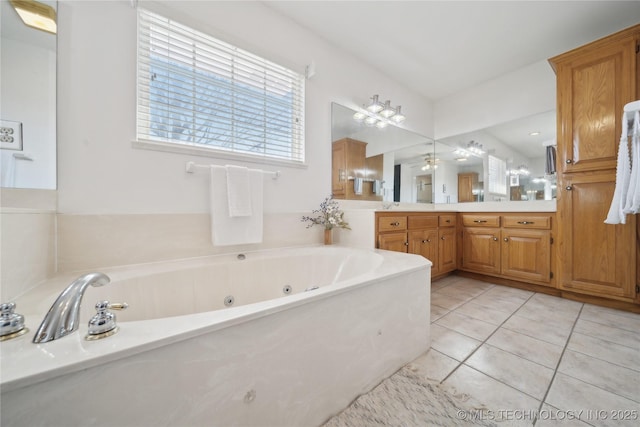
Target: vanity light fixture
(430,164)
(375,106)
(36,15)
(475,148)
(378,114)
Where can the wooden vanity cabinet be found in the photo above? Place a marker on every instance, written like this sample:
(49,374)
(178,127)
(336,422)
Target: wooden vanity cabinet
(431,235)
(594,82)
(516,247)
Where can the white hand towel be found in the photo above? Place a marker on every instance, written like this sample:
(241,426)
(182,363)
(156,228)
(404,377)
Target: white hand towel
(616,213)
(632,204)
(357,186)
(228,230)
(238,191)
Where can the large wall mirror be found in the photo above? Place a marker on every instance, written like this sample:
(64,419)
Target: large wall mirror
(27,103)
(512,161)
(389,164)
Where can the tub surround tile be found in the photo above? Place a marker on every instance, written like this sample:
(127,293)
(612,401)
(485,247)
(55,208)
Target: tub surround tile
(521,374)
(28,251)
(607,376)
(98,241)
(452,343)
(570,394)
(535,350)
(466,325)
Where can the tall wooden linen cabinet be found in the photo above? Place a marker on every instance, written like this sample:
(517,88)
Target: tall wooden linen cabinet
(594,82)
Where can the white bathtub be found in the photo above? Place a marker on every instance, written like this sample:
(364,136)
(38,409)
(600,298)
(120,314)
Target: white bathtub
(182,358)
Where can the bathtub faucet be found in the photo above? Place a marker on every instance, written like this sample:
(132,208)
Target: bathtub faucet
(62,317)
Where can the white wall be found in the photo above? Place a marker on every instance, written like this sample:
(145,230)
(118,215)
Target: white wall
(522,93)
(28,94)
(99,171)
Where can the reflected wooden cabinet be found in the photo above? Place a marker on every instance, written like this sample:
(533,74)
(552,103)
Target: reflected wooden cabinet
(467,182)
(348,161)
(594,82)
(431,235)
(516,247)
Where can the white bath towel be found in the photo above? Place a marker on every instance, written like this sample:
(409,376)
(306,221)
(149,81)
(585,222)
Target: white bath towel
(616,213)
(238,191)
(632,205)
(228,230)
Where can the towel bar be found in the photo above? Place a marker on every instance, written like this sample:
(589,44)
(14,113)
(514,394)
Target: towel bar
(190,167)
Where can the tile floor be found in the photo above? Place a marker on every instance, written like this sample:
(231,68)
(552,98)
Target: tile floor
(532,358)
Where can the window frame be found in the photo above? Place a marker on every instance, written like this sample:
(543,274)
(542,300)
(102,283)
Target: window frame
(295,131)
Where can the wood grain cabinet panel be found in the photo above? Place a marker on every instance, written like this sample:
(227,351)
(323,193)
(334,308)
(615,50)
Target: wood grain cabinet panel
(447,250)
(594,257)
(396,241)
(525,254)
(481,249)
(594,82)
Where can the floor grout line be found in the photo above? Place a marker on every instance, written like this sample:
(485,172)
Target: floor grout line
(486,339)
(555,371)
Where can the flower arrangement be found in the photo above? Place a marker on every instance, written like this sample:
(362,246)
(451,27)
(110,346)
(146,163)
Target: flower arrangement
(329,216)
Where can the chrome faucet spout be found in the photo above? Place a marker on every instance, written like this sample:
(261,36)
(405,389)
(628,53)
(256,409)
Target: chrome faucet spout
(62,317)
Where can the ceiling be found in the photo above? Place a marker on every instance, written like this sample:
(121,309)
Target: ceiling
(438,48)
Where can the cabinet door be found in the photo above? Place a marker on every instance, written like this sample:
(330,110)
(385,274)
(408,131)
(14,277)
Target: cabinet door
(447,250)
(481,250)
(526,254)
(425,243)
(393,241)
(594,257)
(339,170)
(593,86)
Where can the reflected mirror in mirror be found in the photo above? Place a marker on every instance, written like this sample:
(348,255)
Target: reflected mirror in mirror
(514,161)
(27,103)
(388,164)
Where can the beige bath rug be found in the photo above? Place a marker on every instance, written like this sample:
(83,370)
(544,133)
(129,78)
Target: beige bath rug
(407,399)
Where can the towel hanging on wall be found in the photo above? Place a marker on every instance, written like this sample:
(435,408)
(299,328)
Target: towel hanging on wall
(626,197)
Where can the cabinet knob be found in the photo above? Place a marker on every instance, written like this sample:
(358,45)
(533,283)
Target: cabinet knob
(506,240)
(569,161)
(526,222)
(568,188)
(426,241)
(480,221)
(406,243)
(495,239)
(395,224)
(442,238)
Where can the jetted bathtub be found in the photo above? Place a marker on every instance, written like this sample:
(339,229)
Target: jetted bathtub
(276,337)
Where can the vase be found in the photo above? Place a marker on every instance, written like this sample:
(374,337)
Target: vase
(328,236)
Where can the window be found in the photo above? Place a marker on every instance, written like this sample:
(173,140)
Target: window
(497,176)
(198,91)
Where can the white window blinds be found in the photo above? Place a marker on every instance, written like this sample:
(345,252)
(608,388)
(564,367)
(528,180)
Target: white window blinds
(196,90)
(497,175)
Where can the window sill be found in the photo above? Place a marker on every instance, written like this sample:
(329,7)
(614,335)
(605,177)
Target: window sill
(196,150)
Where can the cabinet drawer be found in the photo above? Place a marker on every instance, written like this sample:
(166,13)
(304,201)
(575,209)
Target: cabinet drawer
(527,221)
(389,223)
(447,220)
(422,221)
(473,220)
